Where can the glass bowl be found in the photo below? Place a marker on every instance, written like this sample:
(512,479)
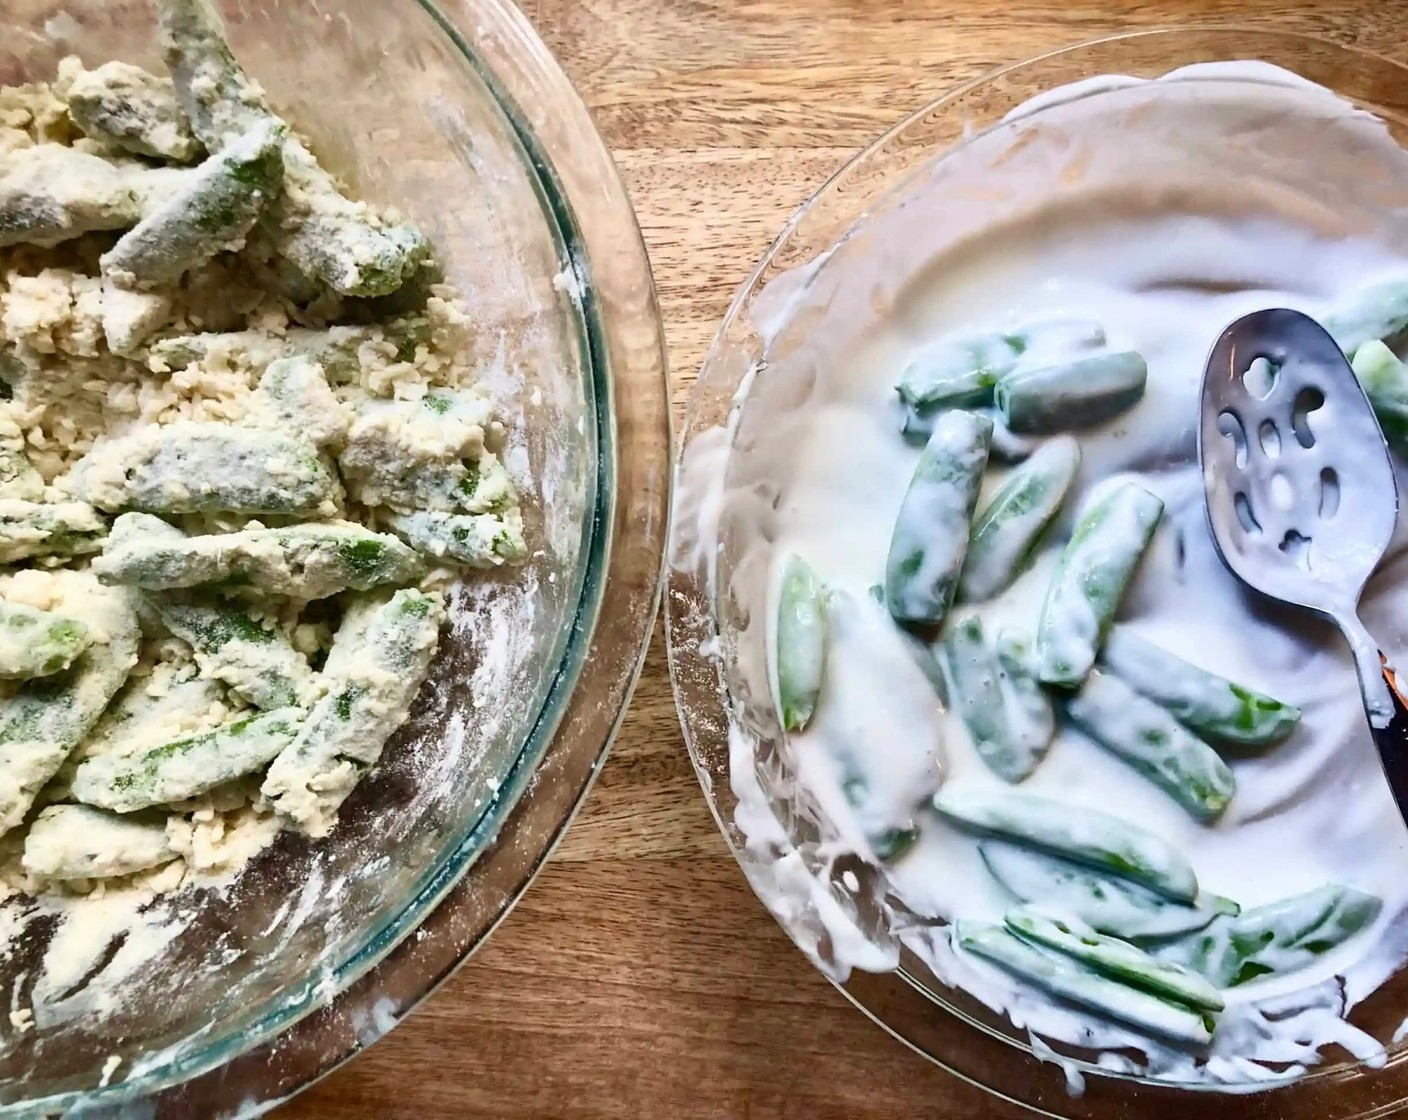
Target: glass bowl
(793,315)
(456,114)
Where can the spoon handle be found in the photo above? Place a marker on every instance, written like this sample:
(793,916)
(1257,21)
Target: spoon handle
(1392,738)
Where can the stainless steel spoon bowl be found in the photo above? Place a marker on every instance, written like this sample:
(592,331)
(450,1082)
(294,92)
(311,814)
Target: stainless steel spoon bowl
(1301,495)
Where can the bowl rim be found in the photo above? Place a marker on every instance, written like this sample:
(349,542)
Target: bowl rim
(1031,1084)
(312,1028)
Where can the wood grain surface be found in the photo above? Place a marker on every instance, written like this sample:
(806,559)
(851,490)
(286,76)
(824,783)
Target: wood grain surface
(639,977)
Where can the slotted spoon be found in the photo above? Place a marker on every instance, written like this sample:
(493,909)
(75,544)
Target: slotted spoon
(1301,495)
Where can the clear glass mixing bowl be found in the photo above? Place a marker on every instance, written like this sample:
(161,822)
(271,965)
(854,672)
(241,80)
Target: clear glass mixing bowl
(456,114)
(753,383)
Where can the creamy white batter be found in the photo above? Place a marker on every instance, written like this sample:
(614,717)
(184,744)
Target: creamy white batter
(1164,211)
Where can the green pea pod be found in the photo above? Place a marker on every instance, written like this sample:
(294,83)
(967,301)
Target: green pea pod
(132,109)
(1105,903)
(29,529)
(1115,958)
(211,212)
(1201,701)
(1142,734)
(1007,530)
(930,539)
(79,842)
(1110,538)
(1085,836)
(1064,977)
(309,561)
(51,193)
(380,658)
(1275,939)
(198,466)
(799,643)
(1010,728)
(1385,381)
(1369,314)
(186,767)
(1072,394)
(258,662)
(36,643)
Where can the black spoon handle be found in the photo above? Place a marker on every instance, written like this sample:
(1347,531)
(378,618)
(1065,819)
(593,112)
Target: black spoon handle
(1392,740)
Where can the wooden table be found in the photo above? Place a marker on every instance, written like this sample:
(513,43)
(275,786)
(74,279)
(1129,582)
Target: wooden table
(639,977)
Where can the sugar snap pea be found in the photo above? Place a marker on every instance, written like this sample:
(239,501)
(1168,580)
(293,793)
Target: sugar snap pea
(18,478)
(1071,394)
(211,212)
(133,109)
(1071,981)
(185,767)
(1110,537)
(44,719)
(799,643)
(1086,836)
(80,842)
(476,540)
(295,395)
(258,662)
(35,643)
(1009,722)
(1203,702)
(1007,530)
(337,349)
(1139,732)
(51,193)
(1385,381)
(931,532)
(1369,314)
(1281,937)
(199,466)
(1106,903)
(30,529)
(379,660)
(309,561)
(1115,958)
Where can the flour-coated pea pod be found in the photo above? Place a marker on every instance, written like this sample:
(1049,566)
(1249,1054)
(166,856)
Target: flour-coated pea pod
(1369,314)
(308,561)
(1385,381)
(132,109)
(1086,836)
(185,767)
(799,643)
(29,529)
(1280,937)
(45,719)
(1139,732)
(1106,903)
(475,540)
(35,643)
(130,317)
(341,243)
(207,466)
(258,662)
(80,842)
(295,395)
(51,193)
(1203,702)
(1071,394)
(1115,958)
(1008,529)
(379,660)
(211,212)
(1096,567)
(1066,978)
(930,538)
(1010,733)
